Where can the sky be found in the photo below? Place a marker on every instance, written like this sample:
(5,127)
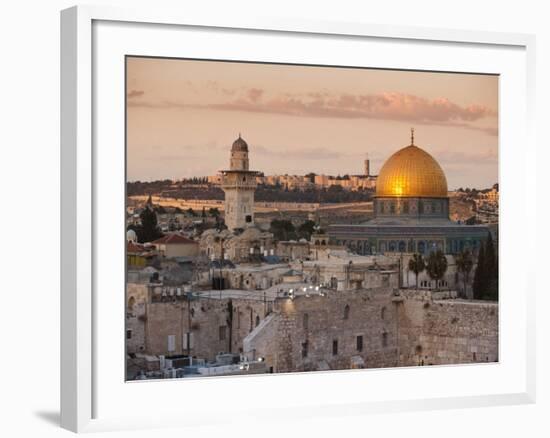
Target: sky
(183,116)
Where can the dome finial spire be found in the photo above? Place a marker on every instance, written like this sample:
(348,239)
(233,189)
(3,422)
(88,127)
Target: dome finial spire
(412,136)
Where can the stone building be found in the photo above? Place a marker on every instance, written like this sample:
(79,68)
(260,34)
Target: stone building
(411,209)
(255,277)
(324,315)
(138,255)
(343,271)
(290,250)
(175,245)
(249,245)
(171,321)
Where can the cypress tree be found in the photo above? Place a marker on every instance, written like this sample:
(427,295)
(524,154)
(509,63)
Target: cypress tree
(417,265)
(436,266)
(491,267)
(149,230)
(480,276)
(464,264)
(490,256)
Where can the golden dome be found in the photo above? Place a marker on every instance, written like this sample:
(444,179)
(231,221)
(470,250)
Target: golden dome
(411,172)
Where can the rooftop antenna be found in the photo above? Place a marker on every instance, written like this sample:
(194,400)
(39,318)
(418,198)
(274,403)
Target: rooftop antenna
(412,136)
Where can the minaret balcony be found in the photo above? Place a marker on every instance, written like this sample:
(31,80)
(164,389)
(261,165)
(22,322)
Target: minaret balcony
(239,185)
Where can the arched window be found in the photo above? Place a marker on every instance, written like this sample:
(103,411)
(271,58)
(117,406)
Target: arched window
(131,303)
(257,320)
(346,312)
(383,313)
(305,321)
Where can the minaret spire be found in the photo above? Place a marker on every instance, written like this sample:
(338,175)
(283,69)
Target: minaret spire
(412,136)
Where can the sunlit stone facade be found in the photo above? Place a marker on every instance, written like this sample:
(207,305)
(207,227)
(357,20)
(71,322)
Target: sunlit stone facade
(239,184)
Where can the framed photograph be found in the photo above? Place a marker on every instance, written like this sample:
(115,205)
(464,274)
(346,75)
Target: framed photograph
(264,218)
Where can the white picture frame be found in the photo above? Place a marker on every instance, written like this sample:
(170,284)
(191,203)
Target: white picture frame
(84,175)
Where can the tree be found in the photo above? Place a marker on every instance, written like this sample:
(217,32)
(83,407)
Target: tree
(213,211)
(436,266)
(417,265)
(480,277)
(486,275)
(306,229)
(489,284)
(149,230)
(283,229)
(464,264)
(491,268)
(493,285)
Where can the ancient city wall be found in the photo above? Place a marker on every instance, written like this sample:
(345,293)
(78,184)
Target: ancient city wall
(447,331)
(408,329)
(306,328)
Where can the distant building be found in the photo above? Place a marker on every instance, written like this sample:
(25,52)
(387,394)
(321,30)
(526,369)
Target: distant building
(367,167)
(176,245)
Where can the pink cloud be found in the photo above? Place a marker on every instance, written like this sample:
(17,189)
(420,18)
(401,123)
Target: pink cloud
(384,106)
(255,94)
(135,93)
(391,106)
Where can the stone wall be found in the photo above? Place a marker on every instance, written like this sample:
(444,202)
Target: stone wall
(398,328)
(135,330)
(447,331)
(213,324)
(304,331)
(136,299)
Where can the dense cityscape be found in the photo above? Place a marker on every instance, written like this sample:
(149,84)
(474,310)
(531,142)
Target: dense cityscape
(239,272)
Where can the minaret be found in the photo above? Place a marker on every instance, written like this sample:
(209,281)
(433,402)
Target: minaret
(239,184)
